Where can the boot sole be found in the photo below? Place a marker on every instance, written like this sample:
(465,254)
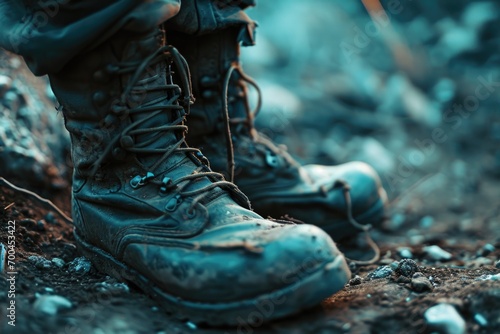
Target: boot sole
(307,292)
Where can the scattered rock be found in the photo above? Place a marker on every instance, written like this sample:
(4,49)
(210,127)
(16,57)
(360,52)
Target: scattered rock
(497,264)
(112,287)
(355,281)
(489,277)
(407,268)
(5,84)
(426,222)
(437,253)
(421,284)
(80,265)
(396,222)
(405,252)
(381,272)
(403,279)
(40,262)
(40,225)
(444,317)
(486,250)
(58,262)
(479,262)
(51,305)
(394,265)
(481,320)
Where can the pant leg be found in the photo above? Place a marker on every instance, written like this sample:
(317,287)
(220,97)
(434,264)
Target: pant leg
(201,17)
(49,33)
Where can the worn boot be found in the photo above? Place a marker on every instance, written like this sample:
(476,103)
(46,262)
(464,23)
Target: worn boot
(274,182)
(148,210)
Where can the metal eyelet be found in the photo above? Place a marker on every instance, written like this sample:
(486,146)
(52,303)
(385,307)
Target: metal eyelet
(271,159)
(166,184)
(138,180)
(173,203)
(190,213)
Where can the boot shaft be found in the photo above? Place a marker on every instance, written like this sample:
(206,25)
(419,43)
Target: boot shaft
(101,91)
(210,57)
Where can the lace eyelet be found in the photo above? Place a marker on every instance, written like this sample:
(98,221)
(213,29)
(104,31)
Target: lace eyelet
(173,203)
(166,184)
(190,213)
(138,180)
(271,159)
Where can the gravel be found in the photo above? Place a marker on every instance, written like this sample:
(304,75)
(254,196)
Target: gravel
(445,318)
(437,253)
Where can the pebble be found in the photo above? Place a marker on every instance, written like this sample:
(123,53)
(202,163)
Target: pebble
(80,265)
(58,262)
(397,221)
(381,272)
(426,222)
(497,264)
(405,252)
(5,84)
(355,281)
(117,286)
(486,250)
(480,261)
(437,253)
(407,267)
(40,225)
(421,284)
(445,318)
(489,277)
(394,265)
(481,320)
(40,262)
(51,305)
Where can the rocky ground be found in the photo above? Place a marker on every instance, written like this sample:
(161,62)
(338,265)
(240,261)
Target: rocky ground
(418,99)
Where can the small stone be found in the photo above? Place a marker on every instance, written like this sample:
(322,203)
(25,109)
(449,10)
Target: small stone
(394,265)
(386,261)
(481,320)
(396,222)
(480,261)
(405,252)
(80,265)
(355,281)
(191,325)
(51,305)
(5,84)
(486,250)
(407,267)
(50,218)
(58,262)
(426,222)
(417,275)
(40,262)
(403,279)
(40,225)
(381,272)
(445,318)
(437,253)
(113,287)
(497,264)
(489,277)
(421,284)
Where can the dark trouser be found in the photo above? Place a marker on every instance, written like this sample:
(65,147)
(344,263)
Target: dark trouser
(50,33)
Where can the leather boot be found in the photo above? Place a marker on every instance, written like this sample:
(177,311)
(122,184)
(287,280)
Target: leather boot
(274,182)
(148,210)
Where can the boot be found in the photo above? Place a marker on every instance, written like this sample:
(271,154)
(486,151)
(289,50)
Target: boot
(275,183)
(148,210)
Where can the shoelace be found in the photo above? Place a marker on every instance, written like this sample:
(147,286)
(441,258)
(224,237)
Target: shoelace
(158,106)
